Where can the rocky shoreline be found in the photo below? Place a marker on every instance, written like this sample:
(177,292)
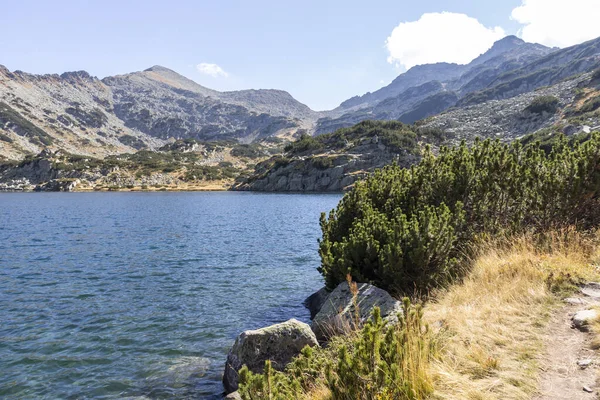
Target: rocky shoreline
(337,312)
(74,186)
(56,171)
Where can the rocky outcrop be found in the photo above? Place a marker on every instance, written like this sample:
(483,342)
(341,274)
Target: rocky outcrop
(146,102)
(301,175)
(338,160)
(58,185)
(341,311)
(189,166)
(278,343)
(233,396)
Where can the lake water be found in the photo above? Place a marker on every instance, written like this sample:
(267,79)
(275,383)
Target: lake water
(112,295)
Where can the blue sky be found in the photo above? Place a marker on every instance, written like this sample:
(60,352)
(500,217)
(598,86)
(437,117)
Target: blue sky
(322,52)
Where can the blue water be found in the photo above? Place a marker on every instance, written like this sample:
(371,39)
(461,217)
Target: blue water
(112,295)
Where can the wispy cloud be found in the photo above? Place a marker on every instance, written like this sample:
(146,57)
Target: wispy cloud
(212,70)
(440,37)
(558,22)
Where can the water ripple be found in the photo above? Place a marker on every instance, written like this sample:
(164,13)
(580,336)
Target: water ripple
(139,295)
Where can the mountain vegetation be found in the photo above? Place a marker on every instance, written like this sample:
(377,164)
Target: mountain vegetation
(510,68)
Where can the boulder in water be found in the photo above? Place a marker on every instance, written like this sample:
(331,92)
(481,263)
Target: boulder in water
(278,343)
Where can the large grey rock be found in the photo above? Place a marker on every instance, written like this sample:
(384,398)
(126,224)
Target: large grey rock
(583,319)
(338,313)
(278,343)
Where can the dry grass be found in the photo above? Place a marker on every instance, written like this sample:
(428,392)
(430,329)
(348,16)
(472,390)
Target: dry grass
(490,328)
(492,324)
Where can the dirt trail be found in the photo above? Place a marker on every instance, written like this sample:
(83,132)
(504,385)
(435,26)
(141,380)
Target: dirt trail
(565,372)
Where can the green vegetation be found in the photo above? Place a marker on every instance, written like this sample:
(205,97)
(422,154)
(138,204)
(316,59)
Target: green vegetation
(549,137)
(304,144)
(407,230)
(591,104)
(380,362)
(395,135)
(24,127)
(509,214)
(323,162)
(542,104)
(145,163)
(210,173)
(132,141)
(248,150)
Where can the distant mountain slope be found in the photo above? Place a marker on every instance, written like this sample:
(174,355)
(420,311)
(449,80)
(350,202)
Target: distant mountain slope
(509,119)
(334,161)
(510,47)
(544,71)
(407,97)
(81,114)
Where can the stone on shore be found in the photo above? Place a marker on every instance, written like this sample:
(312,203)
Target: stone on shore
(278,343)
(315,301)
(338,313)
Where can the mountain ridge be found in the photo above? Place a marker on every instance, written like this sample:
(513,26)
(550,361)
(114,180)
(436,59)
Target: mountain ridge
(81,114)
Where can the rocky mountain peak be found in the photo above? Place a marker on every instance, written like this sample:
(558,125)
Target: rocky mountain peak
(509,46)
(159,68)
(158,76)
(77,76)
(507,43)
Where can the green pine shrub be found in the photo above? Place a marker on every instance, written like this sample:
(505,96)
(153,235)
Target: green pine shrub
(303,144)
(385,362)
(542,104)
(590,105)
(407,230)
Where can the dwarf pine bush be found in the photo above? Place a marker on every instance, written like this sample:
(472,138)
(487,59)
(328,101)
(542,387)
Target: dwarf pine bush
(385,362)
(406,230)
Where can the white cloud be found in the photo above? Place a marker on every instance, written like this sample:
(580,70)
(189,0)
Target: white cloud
(440,37)
(212,70)
(558,22)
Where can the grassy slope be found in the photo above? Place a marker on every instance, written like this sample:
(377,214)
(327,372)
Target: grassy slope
(495,320)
